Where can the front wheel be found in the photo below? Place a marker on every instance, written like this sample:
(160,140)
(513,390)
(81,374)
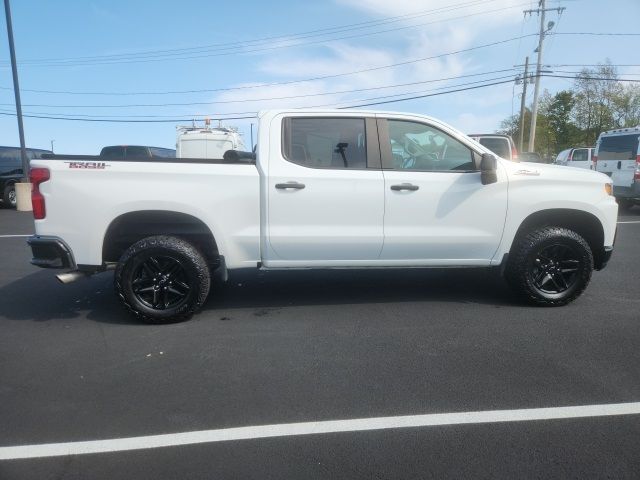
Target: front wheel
(550,266)
(162,279)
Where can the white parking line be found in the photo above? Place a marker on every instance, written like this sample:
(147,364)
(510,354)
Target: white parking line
(13,236)
(633,221)
(314,428)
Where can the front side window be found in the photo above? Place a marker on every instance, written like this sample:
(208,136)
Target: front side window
(338,143)
(416,146)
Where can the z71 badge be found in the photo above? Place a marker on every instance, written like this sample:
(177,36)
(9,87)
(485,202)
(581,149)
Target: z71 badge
(88,165)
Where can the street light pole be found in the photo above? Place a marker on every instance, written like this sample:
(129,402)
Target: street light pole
(16,91)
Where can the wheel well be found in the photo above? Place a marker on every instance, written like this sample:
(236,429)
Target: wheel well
(583,223)
(131,227)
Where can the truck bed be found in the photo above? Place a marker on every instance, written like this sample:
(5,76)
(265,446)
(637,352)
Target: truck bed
(85,194)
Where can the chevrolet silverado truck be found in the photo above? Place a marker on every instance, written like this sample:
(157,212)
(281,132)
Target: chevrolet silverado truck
(323,189)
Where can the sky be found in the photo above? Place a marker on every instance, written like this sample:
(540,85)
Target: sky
(167,60)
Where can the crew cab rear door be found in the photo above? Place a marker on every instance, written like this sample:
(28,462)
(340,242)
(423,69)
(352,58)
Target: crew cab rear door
(324,190)
(437,212)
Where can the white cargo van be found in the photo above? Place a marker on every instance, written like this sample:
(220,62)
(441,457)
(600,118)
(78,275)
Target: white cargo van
(617,155)
(207,142)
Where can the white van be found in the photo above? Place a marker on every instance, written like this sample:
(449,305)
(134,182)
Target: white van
(207,142)
(579,157)
(617,155)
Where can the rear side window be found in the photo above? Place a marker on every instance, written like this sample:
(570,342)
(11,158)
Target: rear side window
(112,152)
(136,152)
(338,143)
(581,155)
(619,147)
(162,152)
(499,146)
(10,157)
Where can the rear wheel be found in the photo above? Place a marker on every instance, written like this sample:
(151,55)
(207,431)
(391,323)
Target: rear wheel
(9,196)
(550,266)
(162,279)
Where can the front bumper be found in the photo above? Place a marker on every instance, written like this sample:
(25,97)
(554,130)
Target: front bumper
(50,252)
(604,258)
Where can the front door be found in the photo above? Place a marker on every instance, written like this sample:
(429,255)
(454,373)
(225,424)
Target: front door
(325,193)
(437,212)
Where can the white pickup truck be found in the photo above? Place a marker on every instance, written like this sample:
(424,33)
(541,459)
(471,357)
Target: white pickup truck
(324,189)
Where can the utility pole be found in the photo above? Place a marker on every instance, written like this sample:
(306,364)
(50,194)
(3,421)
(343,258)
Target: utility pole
(523,101)
(536,92)
(16,91)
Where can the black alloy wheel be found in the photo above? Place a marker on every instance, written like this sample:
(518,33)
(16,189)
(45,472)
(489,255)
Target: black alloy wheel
(162,279)
(161,282)
(549,266)
(555,269)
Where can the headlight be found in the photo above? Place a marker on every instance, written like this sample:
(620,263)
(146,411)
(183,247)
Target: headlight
(608,188)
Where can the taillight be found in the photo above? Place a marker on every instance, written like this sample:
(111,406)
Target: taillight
(514,152)
(38,176)
(636,176)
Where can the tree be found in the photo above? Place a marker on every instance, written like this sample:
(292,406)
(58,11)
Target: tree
(596,92)
(627,107)
(558,109)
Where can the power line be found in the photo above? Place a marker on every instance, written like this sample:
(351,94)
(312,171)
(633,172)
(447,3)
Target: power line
(284,37)
(277,47)
(351,104)
(371,69)
(244,100)
(143,58)
(426,95)
(105,120)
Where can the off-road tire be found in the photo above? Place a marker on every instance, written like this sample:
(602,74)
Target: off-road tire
(193,272)
(523,265)
(6,196)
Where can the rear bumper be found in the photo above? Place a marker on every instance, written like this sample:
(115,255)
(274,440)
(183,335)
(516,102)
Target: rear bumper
(631,192)
(50,252)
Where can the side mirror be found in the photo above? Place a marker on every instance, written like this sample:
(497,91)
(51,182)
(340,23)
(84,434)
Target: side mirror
(488,169)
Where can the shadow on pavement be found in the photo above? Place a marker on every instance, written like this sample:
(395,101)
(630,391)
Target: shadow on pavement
(39,296)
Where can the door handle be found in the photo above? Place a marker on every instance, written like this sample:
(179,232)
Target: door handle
(294,185)
(405,186)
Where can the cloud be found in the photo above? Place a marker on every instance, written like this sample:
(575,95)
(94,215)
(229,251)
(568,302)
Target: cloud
(364,53)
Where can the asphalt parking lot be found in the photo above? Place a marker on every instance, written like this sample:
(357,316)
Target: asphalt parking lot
(279,348)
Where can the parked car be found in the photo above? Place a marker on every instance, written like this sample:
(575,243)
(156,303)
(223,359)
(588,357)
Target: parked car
(501,145)
(531,157)
(617,154)
(325,189)
(579,157)
(136,151)
(11,171)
